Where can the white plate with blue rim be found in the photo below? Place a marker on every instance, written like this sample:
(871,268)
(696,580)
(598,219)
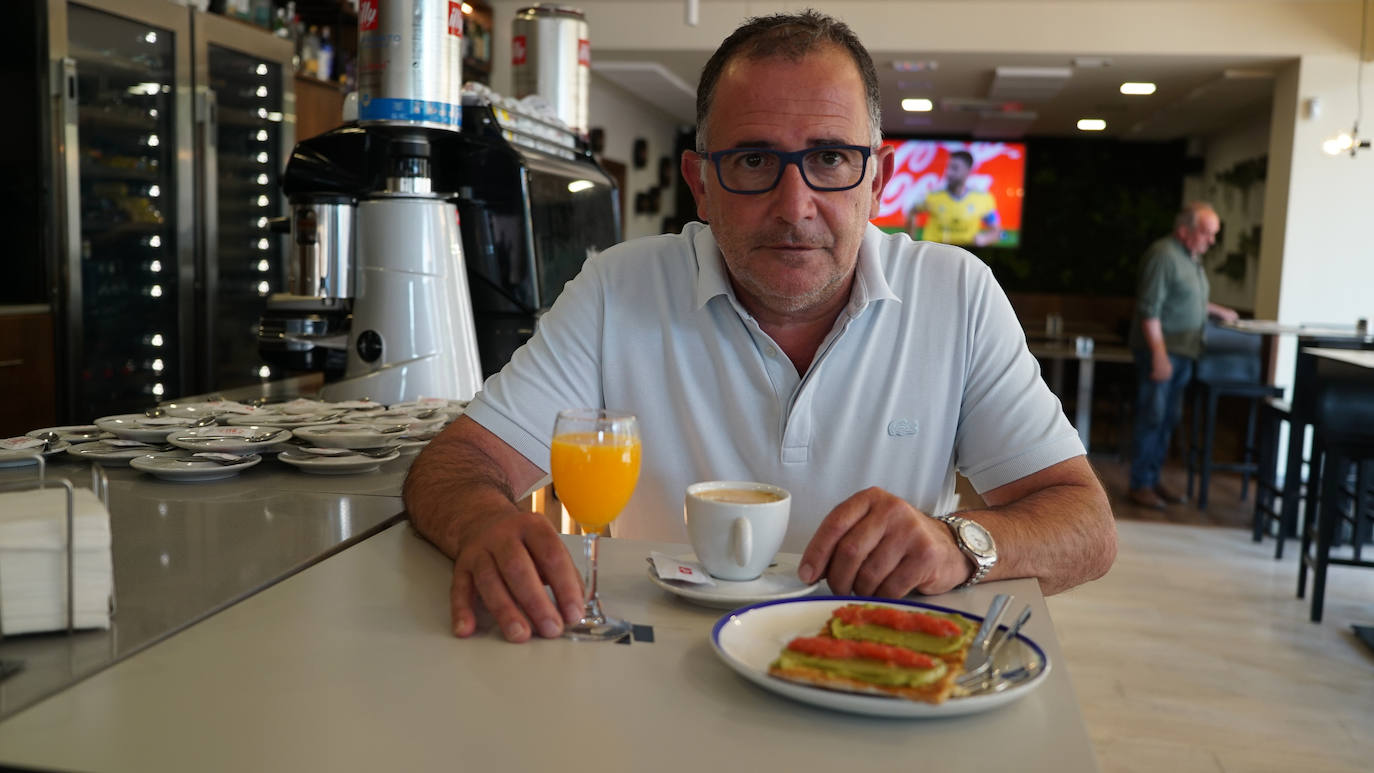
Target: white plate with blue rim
(193,467)
(748,640)
(20,451)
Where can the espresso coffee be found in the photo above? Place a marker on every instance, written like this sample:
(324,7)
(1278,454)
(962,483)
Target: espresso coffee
(739,496)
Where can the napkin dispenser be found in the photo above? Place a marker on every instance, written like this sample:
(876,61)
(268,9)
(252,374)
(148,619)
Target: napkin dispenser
(56,566)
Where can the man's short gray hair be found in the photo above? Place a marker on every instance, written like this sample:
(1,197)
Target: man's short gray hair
(1187,217)
(789,36)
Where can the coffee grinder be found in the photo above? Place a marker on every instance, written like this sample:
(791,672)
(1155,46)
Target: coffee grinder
(380,297)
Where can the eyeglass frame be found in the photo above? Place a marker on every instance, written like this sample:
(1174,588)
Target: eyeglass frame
(788,158)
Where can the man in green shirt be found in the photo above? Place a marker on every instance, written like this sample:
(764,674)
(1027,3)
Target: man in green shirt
(1166,337)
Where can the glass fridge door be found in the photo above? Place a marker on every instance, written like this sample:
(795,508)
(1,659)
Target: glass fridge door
(125,308)
(245,261)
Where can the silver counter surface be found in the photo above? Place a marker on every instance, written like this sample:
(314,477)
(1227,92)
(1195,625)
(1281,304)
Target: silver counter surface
(351,666)
(183,551)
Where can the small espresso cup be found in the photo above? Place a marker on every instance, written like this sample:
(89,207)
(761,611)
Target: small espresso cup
(736,527)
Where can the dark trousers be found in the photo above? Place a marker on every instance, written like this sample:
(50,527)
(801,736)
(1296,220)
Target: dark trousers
(1158,406)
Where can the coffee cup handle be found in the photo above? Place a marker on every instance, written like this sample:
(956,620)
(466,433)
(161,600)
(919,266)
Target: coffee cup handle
(741,541)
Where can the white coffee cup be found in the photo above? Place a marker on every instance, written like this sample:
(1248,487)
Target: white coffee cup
(736,527)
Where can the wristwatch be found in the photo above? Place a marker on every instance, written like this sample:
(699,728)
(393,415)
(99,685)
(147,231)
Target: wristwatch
(975,542)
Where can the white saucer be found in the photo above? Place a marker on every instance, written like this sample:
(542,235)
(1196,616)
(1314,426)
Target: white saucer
(216,408)
(24,456)
(112,456)
(286,420)
(75,433)
(356,435)
(188,468)
(136,426)
(298,405)
(334,465)
(232,440)
(392,417)
(778,581)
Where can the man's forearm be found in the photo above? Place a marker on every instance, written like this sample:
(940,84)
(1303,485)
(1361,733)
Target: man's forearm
(1154,335)
(1064,534)
(453,481)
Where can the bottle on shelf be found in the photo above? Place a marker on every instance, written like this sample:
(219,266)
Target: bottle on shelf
(325,58)
(310,52)
(262,13)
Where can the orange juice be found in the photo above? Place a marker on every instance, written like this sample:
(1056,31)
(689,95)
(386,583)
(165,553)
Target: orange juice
(594,475)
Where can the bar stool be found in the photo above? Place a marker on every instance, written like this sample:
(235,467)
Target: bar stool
(1297,413)
(1229,367)
(1343,436)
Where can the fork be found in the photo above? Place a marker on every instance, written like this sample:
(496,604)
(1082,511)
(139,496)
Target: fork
(979,658)
(990,673)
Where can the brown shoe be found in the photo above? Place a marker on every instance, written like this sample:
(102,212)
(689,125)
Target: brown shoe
(1169,495)
(1146,498)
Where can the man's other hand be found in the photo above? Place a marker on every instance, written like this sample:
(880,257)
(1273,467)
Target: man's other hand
(1161,370)
(877,544)
(505,560)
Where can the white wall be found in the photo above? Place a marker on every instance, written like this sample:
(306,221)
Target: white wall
(624,118)
(1247,140)
(1320,266)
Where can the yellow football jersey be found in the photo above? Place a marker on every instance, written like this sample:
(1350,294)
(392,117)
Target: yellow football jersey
(958,221)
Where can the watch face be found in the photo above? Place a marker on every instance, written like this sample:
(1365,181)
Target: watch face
(976,537)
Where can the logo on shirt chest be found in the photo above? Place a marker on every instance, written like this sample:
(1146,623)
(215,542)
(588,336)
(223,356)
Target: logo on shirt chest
(903,428)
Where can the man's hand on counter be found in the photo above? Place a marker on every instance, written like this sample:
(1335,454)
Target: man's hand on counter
(460,494)
(505,559)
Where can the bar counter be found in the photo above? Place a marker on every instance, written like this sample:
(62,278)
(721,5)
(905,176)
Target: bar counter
(183,551)
(350,665)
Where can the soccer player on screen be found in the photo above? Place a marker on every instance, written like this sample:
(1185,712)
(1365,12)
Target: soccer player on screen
(957,215)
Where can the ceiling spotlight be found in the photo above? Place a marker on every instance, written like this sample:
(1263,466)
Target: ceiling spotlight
(1091,124)
(917,105)
(1138,89)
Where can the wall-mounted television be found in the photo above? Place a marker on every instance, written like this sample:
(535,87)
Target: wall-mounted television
(966,193)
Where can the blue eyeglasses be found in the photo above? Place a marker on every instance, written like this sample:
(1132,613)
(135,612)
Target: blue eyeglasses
(757,170)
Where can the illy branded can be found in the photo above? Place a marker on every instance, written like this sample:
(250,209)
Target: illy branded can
(552,57)
(410,63)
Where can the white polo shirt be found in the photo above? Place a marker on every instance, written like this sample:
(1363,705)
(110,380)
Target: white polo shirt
(926,371)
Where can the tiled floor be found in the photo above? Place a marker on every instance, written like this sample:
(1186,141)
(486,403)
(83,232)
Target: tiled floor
(1193,653)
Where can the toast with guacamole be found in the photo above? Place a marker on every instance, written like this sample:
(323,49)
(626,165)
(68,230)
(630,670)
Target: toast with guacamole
(879,650)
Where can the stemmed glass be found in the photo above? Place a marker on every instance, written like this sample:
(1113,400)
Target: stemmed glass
(595,459)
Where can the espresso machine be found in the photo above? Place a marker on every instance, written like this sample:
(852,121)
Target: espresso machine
(428,235)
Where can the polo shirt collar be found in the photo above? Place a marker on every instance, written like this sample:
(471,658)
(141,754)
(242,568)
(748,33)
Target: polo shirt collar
(869,282)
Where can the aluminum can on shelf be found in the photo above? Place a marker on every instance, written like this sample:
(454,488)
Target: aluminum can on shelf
(410,63)
(551,56)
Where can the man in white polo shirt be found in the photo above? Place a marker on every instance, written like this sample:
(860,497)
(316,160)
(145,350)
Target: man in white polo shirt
(788,342)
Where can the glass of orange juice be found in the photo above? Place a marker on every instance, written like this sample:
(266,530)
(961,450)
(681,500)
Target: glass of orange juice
(595,459)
